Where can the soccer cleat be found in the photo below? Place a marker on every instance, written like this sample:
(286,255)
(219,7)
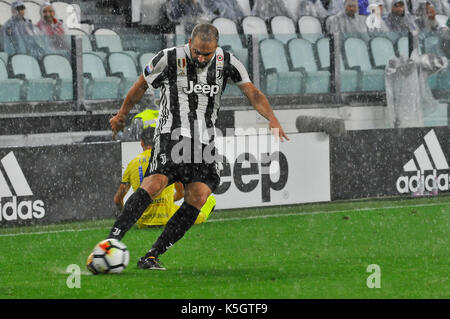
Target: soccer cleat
(150,263)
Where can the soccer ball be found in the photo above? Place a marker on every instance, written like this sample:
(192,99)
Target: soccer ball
(110,256)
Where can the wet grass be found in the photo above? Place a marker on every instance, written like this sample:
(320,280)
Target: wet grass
(304,251)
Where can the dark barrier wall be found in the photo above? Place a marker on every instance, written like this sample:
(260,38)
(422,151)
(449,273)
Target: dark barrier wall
(389,162)
(58,183)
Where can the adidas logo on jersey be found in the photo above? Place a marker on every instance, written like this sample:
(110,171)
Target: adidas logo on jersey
(14,209)
(422,163)
(205,89)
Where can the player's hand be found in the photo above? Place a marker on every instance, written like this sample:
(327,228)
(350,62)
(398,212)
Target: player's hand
(117,123)
(276,130)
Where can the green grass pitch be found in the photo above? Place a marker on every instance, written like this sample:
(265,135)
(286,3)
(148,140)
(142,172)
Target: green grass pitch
(288,252)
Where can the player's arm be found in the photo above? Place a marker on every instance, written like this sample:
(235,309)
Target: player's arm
(120,194)
(261,104)
(179,191)
(134,95)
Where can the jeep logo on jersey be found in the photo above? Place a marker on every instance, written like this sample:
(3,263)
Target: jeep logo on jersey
(13,210)
(205,89)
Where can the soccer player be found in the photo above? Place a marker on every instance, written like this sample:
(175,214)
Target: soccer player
(192,78)
(163,206)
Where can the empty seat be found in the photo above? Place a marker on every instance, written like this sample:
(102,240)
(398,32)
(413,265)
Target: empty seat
(5,12)
(356,54)
(252,25)
(38,87)
(121,64)
(145,59)
(310,28)
(109,41)
(230,39)
(302,57)
(32,11)
(402,46)
(59,65)
(348,78)
(382,50)
(283,28)
(99,86)
(10,89)
(441,79)
(278,78)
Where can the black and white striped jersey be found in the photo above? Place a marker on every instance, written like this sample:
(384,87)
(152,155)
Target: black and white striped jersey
(190,96)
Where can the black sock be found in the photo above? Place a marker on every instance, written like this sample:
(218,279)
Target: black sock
(176,227)
(131,212)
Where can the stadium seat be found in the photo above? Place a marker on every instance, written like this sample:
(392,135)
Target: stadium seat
(402,46)
(99,86)
(59,65)
(357,57)
(277,77)
(382,50)
(109,41)
(38,87)
(86,42)
(230,39)
(4,57)
(283,28)
(5,12)
(252,25)
(145,58)
(10,89)
(310,28)
(302,57)
(122,65)
(349,78)
(33,11)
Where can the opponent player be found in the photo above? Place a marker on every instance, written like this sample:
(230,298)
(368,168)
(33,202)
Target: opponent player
(163,206)
(192,78)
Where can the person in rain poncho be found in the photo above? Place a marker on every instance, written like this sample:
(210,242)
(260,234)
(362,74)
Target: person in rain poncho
(19,34)
(349,21)
(229,9)
(187,13)
(408,94)
(374,21)
(440,6)
(53,29)
(426,18)
(267,9)
(398,20)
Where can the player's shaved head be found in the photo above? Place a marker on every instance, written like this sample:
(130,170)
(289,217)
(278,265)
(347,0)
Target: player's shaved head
(206,32)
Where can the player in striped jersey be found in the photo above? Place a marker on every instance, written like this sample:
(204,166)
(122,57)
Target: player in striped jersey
(192,78)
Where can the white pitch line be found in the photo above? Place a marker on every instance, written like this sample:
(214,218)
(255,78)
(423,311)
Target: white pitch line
(238,218)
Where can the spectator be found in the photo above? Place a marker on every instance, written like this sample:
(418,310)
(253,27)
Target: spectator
(363,7)
(187,13)
(426,18)
(398,20)
(229,9)
(348,21)
(440,6)
(374,21)
(332,7)
(53,29)
(19,33)
(313,8)
(266,9)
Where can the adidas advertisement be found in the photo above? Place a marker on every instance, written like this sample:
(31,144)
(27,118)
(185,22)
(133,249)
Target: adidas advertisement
(412,161)
(56,183)
(255,171)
